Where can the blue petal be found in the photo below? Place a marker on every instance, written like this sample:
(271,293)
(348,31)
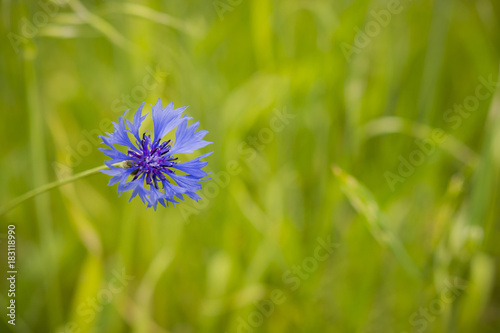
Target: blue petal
(119,175)
(171,191)
(137,187)
(120,134)
(187,182)
(165,119)
(116,155)
(155,197)
(193,195)
(136,122)
(193,167)
(187,140)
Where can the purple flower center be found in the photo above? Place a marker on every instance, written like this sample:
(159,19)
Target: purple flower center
(152,159)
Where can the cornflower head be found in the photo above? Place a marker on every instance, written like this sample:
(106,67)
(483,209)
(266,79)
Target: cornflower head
(150,166)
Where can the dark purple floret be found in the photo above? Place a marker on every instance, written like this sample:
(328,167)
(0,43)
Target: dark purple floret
(153,160)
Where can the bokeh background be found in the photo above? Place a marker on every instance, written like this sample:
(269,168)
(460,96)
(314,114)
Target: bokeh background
(312,106)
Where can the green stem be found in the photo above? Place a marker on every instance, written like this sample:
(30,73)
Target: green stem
(48,187)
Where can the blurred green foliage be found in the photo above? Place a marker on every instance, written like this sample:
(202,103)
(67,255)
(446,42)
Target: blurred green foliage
(361,81)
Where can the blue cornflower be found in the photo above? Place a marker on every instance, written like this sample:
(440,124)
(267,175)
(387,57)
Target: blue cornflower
(148,167)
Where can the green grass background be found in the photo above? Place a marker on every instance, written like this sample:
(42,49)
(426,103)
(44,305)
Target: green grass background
(322,175)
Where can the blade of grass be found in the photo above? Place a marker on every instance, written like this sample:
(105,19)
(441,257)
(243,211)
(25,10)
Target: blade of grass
(152,15)
(364,203)
(388,125)
(101,25)
(42,203)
